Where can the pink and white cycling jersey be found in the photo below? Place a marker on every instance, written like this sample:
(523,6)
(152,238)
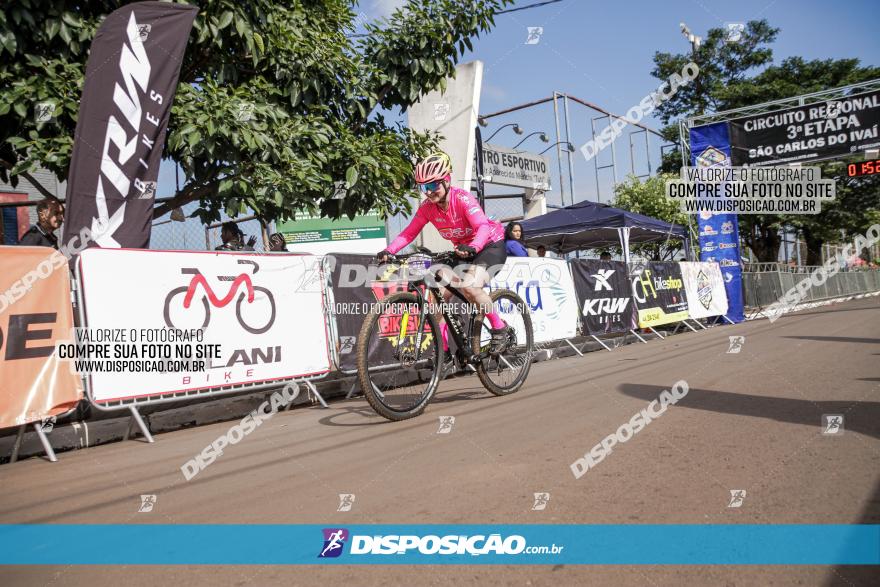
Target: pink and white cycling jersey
(463,222)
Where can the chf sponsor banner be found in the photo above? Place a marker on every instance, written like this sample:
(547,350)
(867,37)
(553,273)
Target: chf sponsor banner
(604,293)
(252,306)
(658,290)
(130,82)
(353,294)
(35,312)
(357,285)
(719,233)
(548,291)
(821,130)
(704,286)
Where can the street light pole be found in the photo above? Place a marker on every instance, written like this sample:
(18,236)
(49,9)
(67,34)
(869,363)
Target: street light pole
(544,138)
(516,128)
(695,41)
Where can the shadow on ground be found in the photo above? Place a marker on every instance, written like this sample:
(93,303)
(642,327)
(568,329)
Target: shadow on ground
(860,417)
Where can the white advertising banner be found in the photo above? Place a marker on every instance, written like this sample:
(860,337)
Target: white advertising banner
(705,289)
(548,290)
(256,323)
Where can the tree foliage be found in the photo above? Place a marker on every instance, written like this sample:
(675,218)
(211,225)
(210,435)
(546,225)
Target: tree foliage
(649,198)
(276,100)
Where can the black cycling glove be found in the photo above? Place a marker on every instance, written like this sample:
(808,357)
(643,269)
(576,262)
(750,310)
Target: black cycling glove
(471,252)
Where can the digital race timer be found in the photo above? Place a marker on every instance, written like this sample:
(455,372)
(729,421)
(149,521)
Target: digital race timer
(863,168)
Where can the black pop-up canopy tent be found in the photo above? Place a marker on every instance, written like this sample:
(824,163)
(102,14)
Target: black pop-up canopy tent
(588,225)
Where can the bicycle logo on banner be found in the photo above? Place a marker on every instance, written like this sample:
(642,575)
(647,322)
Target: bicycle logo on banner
(254,307)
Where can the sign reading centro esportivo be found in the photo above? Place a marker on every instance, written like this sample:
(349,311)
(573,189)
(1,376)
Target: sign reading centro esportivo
(515,168)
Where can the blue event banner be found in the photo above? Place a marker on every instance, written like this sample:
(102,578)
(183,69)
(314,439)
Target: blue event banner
(211,544)
(719,233)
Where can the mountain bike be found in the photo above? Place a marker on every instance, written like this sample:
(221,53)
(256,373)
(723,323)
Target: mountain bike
(400,356)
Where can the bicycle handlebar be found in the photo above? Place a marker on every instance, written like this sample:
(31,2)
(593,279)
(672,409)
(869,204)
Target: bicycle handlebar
(443,257)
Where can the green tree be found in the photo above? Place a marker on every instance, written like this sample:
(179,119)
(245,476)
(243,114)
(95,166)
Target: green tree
(721,64)
(725,82)
(276,100)
(855,208)
(649,198)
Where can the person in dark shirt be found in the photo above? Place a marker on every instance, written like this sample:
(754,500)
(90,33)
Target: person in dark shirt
(513,236)
(605,256)
(50,215)
(233,238)
(276,242)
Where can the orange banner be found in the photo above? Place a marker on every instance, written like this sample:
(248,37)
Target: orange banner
(35,312)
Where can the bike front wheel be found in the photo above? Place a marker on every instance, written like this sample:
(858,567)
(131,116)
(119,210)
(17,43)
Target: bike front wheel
(503,371)
(398,379)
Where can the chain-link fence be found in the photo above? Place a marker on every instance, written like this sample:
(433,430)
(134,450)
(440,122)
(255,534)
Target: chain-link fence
(505,209)
(250,227)
(175,231)
(178,231)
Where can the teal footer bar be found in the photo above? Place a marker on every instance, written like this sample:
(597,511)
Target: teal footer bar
(159,544)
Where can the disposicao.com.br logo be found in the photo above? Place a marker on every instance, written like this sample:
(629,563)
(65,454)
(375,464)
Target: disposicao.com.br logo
(334,540)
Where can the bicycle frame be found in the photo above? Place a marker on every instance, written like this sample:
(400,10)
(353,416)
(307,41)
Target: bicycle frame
(452,322)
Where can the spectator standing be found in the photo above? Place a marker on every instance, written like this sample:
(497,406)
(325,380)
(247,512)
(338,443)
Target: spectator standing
(513,235)
(233,238)
(50,215)
(276,242)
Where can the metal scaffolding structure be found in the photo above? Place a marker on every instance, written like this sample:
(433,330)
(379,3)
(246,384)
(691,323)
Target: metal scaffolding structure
(563,128)
(686,124)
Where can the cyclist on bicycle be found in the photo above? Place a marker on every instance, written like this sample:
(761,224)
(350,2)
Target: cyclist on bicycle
(459,218)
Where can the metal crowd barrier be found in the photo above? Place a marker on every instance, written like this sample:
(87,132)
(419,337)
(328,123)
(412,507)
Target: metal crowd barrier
(763,288)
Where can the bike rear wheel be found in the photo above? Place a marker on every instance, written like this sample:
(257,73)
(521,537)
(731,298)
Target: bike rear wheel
(503,373)
(398,385)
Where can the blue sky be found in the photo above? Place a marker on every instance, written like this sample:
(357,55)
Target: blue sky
(602,52)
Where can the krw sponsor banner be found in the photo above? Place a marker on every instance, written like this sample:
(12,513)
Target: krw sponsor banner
(548,291)
(719,233)
(604,292)
(279,333)
(658,290)
(34,313)
(130,82)
(704,285)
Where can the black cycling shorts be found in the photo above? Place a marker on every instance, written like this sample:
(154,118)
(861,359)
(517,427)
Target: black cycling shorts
(492,256)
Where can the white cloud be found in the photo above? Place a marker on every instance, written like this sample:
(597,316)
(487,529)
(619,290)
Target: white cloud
(494,92)
(383,8)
